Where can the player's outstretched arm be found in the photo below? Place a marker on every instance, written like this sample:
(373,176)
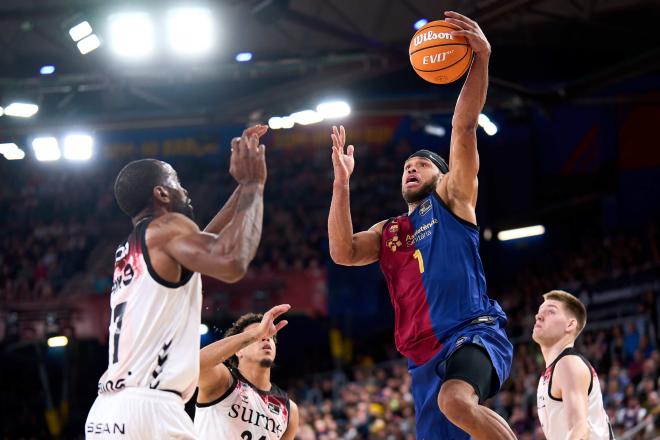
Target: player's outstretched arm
(226,256)
(214,376)
(461,182)
(225,215)
(292,427)
(572,377)
(347,248)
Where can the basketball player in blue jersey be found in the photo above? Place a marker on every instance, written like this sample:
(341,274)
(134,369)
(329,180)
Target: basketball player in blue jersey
(445,324)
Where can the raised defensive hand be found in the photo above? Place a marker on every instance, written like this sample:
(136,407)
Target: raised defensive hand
(248,158)
(342,162)
(267,327)
(470,30)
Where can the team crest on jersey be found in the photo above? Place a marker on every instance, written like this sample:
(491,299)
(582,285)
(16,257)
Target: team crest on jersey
(410,240)
(273,408)
(394,243)
(426,207)
(394,228)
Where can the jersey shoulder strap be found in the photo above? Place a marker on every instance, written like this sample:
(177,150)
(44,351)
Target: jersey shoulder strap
(224,395)
(569,351)
(141,234)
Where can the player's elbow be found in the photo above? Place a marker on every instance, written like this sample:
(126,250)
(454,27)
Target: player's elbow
(233,270)
(342,256)
(339,256)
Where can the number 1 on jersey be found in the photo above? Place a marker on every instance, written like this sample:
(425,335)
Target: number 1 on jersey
(417,255)
(117,319)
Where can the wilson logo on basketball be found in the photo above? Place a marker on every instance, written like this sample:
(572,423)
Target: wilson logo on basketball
(430,35)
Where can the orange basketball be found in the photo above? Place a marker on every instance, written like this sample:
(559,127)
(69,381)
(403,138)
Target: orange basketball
(436,55)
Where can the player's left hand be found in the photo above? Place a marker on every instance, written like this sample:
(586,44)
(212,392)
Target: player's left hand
(470,30)
(267,327)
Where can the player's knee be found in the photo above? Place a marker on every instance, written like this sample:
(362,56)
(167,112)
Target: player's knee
(457,403)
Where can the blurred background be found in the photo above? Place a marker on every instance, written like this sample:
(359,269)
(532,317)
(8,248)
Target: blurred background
(568,144)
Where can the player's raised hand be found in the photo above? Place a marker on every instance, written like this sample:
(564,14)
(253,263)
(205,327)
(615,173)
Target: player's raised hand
(343,162)
(248,158)
(267,327)
(470,30)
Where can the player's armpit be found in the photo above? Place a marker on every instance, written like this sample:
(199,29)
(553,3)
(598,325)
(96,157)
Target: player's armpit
(365,248)
(572,378)
(214,381)
(292,427)
(198,251)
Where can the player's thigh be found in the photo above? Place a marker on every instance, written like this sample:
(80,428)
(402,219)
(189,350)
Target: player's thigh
(471,364)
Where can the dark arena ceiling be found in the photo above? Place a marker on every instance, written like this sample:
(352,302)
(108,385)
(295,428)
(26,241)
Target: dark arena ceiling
(543,52)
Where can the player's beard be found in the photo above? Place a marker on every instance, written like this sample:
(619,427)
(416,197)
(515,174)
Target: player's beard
(422,193)
(266,363)
(182,206)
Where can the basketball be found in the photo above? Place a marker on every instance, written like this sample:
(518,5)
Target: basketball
(437,56)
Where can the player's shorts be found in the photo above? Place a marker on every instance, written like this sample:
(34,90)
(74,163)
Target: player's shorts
(485,369)
(139,413)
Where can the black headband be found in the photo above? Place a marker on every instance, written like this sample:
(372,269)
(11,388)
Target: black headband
(433,157)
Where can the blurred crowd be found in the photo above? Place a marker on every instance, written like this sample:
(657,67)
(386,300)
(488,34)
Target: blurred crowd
(62,224)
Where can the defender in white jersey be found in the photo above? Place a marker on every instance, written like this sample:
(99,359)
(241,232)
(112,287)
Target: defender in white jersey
(153,359)
(236,400)
(569,400)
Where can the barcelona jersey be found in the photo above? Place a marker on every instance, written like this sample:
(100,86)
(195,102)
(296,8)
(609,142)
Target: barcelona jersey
(430,259)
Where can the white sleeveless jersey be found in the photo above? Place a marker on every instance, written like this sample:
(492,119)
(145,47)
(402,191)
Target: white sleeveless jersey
(244,412)
(552,414)
(154,324)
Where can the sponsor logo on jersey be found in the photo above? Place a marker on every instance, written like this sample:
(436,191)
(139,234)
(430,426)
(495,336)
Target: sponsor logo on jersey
(275,409)
(426,207)
(421,233)
(108,386)
(462,340)
(253,417)
(105,428)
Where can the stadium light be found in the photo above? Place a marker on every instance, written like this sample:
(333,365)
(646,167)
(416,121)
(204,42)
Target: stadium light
(333,109)
(80,31)
(88,44)
(306,117)
(435,130)
(512,234)
(21,109)
(243,57)
(2,111)
(190,30)
(203,329)
(275,123)
(132,34)
(46,149)
(489,126)
(11,151)
(78,147)
(419,23)
(287,122)
(490,129)
(47,70)
(58,341)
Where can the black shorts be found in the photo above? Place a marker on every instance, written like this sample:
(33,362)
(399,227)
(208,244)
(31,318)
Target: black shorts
(471,364)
